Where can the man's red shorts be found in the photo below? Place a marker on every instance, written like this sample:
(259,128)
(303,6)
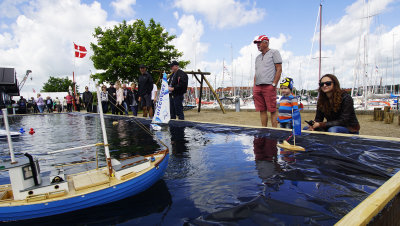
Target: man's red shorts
(264,98)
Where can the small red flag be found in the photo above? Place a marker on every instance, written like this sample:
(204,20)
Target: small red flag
(80,51)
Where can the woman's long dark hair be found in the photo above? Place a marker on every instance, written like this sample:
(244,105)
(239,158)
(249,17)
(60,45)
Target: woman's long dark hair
(323,101)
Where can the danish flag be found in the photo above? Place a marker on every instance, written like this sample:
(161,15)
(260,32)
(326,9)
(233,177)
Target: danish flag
(80,51)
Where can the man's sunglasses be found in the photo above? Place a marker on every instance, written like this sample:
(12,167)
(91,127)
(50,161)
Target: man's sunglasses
(321,84)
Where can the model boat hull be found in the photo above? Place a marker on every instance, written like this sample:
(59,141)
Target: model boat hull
(106,194)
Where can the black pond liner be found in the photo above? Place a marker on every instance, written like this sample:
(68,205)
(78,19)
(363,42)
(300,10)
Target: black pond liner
(210,181)
(348,164)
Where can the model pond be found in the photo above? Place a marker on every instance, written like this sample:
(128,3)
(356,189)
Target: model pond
(216,173)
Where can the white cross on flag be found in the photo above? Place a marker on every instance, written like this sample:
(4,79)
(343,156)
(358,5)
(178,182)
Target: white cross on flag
(80,51)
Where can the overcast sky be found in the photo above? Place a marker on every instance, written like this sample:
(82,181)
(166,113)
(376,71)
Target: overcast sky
(38,35)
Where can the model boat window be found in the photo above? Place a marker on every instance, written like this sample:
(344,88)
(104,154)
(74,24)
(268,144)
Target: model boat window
(27,171)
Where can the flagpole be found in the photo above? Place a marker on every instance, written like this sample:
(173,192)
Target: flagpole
(80,51)
(73,81)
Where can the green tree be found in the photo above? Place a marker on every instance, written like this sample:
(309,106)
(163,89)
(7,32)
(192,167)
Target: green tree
(120,51)
(58,85)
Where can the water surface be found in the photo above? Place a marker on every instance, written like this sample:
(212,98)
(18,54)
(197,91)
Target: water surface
(215,171)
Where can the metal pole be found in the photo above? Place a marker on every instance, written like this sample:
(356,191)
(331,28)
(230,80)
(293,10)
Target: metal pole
(320,40)
(392,86)
(103,129)
(74,89)
(10,145)
(294,135)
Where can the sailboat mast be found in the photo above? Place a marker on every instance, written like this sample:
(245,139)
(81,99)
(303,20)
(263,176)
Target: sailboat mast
(103,129)
(392,86)
(223,75)
(366,58)
(320,40)
(7,127)
(233,86)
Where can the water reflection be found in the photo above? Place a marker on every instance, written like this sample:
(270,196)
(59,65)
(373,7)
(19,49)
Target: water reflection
(265,151)
(178,141)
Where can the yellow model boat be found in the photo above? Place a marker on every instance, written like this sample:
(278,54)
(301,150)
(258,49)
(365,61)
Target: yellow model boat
(287,146)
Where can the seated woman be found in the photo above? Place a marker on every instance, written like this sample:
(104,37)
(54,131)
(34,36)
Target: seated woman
(336,106)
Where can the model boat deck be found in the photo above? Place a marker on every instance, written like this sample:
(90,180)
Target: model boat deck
(85,182)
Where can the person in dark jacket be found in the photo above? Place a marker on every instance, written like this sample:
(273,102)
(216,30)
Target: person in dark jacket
(144,91)
(336,106)
(88,99)
(133,99)
(49,104)
(177,86)
(22,105)
(112,97)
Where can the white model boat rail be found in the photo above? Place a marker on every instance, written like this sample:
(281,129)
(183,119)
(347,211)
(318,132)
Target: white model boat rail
(76,148)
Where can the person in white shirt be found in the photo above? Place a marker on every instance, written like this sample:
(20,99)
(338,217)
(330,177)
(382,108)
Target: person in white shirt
(154,96)
(104,98)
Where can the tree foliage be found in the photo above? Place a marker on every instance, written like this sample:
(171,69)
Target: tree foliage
(119,51)
(57,85)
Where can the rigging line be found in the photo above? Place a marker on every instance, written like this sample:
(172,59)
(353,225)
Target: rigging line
(141,125)
(358,61)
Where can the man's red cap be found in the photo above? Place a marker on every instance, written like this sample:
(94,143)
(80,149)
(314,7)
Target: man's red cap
(261,38)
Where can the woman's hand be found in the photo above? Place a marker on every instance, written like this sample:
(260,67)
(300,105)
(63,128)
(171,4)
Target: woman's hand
(316,125)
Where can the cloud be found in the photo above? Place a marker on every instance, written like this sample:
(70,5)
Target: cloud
(188,41)
(3,26)
(340,52)
(123,7)
(176,15)
(221,14)
(9,8)
(42,40)
(347,40)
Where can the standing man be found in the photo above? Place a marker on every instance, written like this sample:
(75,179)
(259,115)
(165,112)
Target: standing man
(268,72)
(22,105)
(144,91)
(177,86)
(88,99)
(112,97)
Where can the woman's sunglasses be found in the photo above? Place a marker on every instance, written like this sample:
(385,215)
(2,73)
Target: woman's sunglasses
(321,84)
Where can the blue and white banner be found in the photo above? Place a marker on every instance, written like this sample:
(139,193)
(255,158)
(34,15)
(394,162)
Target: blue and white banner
(162,114)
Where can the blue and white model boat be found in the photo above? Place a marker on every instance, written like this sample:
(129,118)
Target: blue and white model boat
(3,134)
(30,196)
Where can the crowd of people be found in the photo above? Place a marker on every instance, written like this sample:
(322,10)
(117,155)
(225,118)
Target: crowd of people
(334,105)
(47,105)
(117,98)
